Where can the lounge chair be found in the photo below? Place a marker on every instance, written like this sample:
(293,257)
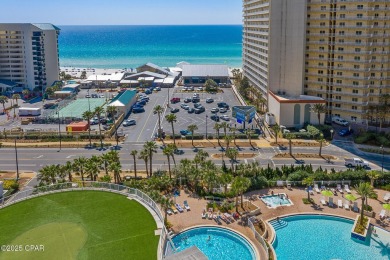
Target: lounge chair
(323,187)
(334,191)
(355,207)
(387,196)
(311,192)
(340,203)
(229,217)
(346,188)
(204,213)
(169,212)
(174,210)
(339,188)
(382,215)
(331,202)
(179,208)
(316,188)
(323,201)
(346,205)
(210,213)
(186,206)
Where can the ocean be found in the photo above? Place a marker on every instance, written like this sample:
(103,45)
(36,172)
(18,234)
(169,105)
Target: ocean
(130,46)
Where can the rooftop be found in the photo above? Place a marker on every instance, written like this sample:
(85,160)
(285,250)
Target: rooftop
(124,97)
(8,82)
(46,26)
(206,70)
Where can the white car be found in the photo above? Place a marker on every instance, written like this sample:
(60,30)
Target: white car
(222,109)
(200,88)
(225,117)
(101,96)
(215,110)
(129,122)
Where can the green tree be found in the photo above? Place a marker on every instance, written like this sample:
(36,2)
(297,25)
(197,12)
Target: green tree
(224,126)
(365,190)
(83,75)
(106,159)
(16,97)
(159,110)
(211,85)
(151,147)
(239,185)
(249,133)
(308,181)
(92,168)
(276,129)
(192,129)
(87,115)
(68,169)
(289,137)
(373,175)
(98,112)
(3,100)
(217,127)
(225,179)
(228,139)
(144,155)
(166,204)
(26,92)
(48,174)
(321,140)
(62,75)
(111,110)
(168,152)
(116,168)
(134,154)
(233,130)
(318,109)
(232,154)
(171,118)
(79,167)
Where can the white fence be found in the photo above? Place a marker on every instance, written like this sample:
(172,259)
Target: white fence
(102,186)
(258,237)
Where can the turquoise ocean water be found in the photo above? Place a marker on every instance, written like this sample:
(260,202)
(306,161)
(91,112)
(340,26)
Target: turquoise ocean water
(129,46)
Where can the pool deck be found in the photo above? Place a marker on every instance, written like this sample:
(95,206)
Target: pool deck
(193,217)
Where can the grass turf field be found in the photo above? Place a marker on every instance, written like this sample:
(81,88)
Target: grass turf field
(79,225)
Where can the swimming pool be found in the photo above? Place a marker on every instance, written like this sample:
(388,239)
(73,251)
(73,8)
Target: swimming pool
(277,200)
(216,243)
(325,237)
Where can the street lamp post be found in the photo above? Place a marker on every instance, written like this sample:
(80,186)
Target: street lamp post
(382,148)
(17,162)
(206,128)
(59,128)
(331,134)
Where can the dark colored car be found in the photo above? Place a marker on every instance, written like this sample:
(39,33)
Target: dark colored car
(174,110)
(138,109)
(199,110)
(195,100)
(142,102)
(345,132)
(187,100)
(223,105)
(185,132)
(175,100)
(138,105)
(148,92)
(191,110)
(209,100)
(215,118)
(197,105)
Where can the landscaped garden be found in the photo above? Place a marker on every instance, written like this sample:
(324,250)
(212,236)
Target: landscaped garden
(79,224)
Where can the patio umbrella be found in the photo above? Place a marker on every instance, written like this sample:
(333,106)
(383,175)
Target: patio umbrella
(350,197)
(386,206)
(327,193)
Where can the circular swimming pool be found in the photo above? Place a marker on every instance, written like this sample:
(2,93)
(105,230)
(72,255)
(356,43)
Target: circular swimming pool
(326,237)
(216,243)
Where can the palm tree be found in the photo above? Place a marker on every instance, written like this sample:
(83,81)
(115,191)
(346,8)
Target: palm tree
(308,182)
(92,169)
(276,129)
(192,129)
(144,155)
(174,148)
(87,115)
(158,110)
(225,126)
(134,154)
(166,204)
(171,118)
(232,153)
(239,185)
(116,167)
(320,140)
(249,133)
(289,137)
(217,127)
(225,179)
(107,159)
(151,147)
(68,169)
(228,139)
(111,110)
(168,152)
(3,100)
(365,190)
(49,173)
(318,109)
(16,97)
(373,175)
(98,112)
(79,167)
(233,130)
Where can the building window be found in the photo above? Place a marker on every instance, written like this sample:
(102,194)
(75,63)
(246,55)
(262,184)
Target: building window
(355,91)
(353,118)
(356,58)
(358,32)
(359,24)
(354,100)
(338,89)
(359,15)
(360,7)
(354,107)
(338,97)
(339,81)
(339,73)
(356,66)
(357,49)
(356,75)
(337,105)
(342,15)
(355,83)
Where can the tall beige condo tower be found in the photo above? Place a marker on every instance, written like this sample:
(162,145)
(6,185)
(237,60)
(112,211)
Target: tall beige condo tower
(29,54)
(302,52)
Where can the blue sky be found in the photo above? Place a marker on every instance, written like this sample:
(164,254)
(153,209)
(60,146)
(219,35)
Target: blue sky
(107,12)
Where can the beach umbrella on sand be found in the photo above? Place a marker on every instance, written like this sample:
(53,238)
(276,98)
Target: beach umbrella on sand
(350,197)
(327,193)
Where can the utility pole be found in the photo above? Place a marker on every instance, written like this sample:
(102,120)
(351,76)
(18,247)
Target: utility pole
(59,128)
(17,162)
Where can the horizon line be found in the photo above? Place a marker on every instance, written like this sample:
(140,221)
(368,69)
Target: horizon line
(143,24)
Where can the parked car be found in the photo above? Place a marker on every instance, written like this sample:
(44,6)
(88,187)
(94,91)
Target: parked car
(200,88)
(191,88)
(87,96)
(138,109)
(185,132)
(138,104)
(197,105)
(93,122)
(195,95)
(187,100)
(129,122)
(158,88)
(345,132)
(222,110)
(353,162)
(148,91)
(339,121)
(223,104)
(184,106)
(215,110)
(174,110)
(102,96)
(209,100)
(142,102)
(195,100)
(215,118)
(199,110)
(175,100)
(191,110)
(225,117)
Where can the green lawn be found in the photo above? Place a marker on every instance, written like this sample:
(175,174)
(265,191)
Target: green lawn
(79,224)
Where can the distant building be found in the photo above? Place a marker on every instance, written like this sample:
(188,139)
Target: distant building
(29,54)
(124,101)
(198,74)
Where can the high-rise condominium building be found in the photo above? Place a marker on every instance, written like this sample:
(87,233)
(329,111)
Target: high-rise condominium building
(335,50)
(29,54)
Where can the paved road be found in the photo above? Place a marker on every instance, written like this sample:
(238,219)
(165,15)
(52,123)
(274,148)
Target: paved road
(34,159)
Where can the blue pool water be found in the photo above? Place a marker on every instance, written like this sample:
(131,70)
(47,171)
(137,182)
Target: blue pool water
(276,200)
(223,244)
(326,237)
